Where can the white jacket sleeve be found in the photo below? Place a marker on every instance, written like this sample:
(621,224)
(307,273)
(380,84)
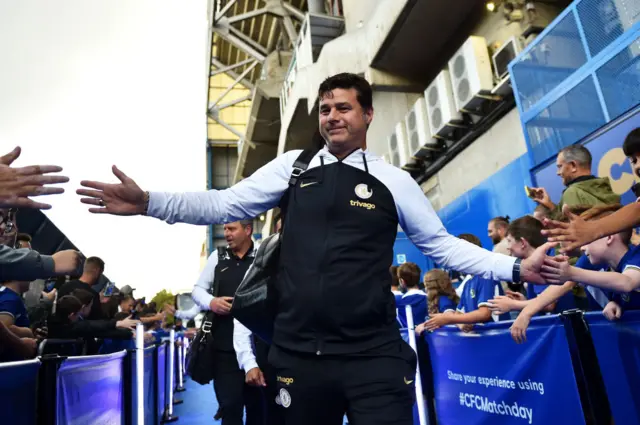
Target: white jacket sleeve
(243,347)
(246,199)
(423,226)
(201,293)
(188,314)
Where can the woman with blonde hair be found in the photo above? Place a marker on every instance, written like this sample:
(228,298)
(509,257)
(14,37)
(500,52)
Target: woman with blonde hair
(441,297)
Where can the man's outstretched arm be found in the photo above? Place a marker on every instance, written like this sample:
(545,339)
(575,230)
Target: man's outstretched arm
(246,199)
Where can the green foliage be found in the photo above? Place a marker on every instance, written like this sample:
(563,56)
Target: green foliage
(161,298)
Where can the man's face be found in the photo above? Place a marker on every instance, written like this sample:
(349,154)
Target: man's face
(634,160)
(566,170)
(236,235)
(342,119)
(516,247)
(494,233)
(596,250)
(278,225)
(24,244)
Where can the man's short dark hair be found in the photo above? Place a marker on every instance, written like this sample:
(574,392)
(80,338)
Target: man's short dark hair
(410,273)
(96,262)
(124,298)
(347,81)
(83,295)
(68,305)
(501,222)
(23,237)
(529,229)
(631,145)
(470,238)
(245,223)
(578,154)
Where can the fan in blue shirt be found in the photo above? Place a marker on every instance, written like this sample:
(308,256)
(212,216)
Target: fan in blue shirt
(13,313)
(409,276)
(473,306)
(441,297)
(523,237)
(623,279)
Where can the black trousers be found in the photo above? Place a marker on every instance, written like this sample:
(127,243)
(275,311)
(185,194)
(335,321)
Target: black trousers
(234,394)
(373,388)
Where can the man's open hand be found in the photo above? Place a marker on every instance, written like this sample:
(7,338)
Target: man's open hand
(124,198)
(17,185)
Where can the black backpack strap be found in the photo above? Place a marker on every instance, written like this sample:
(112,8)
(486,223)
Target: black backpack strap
(300,165)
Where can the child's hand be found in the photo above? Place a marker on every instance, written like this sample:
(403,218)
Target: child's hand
(501,304)
(612,311)
(556,270)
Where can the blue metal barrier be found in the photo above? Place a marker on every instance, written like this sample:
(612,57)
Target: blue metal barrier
(18,383)
(617,346)
(90,390)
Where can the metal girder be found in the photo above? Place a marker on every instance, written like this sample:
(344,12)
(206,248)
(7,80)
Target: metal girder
(291,29)
(226,125)
(242,36)
(222,29)
(233,102)
(232,85)
(293,11)
(230,67)
(248,84)
(220,143)
(248,15)
(226,8)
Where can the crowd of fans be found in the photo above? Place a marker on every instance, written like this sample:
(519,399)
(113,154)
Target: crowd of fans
(603,275)
(73,299)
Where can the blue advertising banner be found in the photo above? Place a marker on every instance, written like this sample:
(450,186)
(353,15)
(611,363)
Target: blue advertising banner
(618,349)
(608,160)
(485,378)
(90,390)
(18,386)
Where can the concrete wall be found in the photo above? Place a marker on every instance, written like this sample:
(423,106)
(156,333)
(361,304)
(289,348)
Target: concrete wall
(495,149)
(358,12)
(389,109)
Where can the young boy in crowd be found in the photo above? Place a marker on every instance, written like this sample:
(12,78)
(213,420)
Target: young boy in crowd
(623,277)
(408,278)
(474,304)
(523,237)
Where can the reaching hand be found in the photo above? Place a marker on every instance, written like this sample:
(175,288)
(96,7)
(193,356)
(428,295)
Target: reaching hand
(127,323)
(221,305)
(437,321)
(556,270)
(67,262)
(515,295)
(519,328)
(124,198)
(501,304)
(612,311)
(531,267)
(574,234)
(18,184)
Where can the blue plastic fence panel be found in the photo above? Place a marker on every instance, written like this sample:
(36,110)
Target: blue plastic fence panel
(618,350)
(91,390)
(18,386)
(485,378)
